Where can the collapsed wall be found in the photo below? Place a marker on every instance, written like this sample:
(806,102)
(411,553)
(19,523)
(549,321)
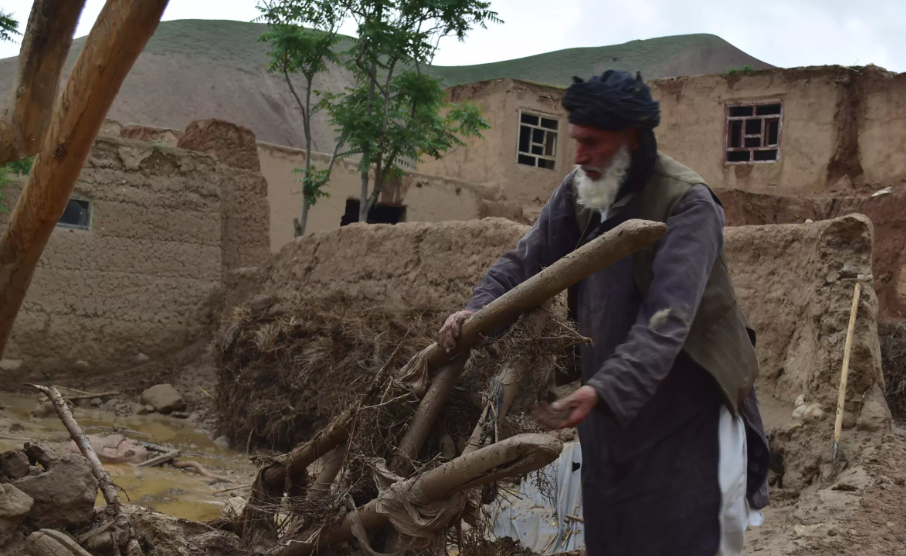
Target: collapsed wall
(142,275)
(794,282)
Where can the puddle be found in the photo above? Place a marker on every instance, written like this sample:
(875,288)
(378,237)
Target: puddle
(176,492)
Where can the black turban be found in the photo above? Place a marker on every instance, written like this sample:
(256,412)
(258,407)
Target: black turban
(614,101)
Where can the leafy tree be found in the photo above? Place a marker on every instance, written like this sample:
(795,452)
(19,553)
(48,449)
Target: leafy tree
(306,51)
(18,167)
(396,112)
(8,27)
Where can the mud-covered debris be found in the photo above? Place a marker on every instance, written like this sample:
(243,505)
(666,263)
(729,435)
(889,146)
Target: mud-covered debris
(64,494)
(163,398)
(48,542)
(875,414)
(14,508)
(115,448)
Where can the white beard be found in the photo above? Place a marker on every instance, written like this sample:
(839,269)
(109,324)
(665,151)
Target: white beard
(600,194)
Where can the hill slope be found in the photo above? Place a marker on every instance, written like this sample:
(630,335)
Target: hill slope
(193,69)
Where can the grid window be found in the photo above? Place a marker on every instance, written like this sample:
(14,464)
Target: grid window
(753,132)
(537,141)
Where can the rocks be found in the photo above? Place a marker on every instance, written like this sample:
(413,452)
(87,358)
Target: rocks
(163,398)
(875,415)
(44,409)
(48,542)
(14,508)
(13,465)
(10,426)
(814,413)
(9,365)
(64,494)
(233,507)
(41,453)
(115,448)
(222,442)
(142,358)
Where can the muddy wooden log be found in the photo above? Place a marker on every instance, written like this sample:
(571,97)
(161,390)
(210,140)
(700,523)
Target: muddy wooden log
(427,412)
(597,254)
(513,457)
(622,241)
(117,38)
(29,106)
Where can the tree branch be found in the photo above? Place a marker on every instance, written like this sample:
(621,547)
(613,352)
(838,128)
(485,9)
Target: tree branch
(28,108)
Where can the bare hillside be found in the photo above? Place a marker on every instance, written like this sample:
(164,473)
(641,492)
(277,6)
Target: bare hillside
(193,69)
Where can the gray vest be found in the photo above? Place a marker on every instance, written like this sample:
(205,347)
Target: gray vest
(719,339)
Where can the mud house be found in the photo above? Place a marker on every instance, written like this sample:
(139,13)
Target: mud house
(134,269)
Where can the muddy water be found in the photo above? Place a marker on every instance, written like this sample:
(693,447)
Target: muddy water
(180,493)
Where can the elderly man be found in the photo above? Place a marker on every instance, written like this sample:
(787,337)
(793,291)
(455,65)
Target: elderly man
(675,458)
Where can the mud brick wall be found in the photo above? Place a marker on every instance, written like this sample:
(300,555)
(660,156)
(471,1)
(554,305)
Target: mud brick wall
(145,278)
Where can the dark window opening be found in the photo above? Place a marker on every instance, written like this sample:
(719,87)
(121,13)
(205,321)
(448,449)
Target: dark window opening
(754,132)
(529,119)
(77,214)
(762,156)
(753,127)
(740,111)
(379,214)
(767,110)
(773,132)
(537,141)
(753,142)
(735,134)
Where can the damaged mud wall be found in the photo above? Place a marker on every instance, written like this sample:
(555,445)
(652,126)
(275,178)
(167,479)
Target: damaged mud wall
(795,284)
(887,212)
(144,276)
(410,264)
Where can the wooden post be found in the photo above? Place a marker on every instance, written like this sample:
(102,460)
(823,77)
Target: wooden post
(29,106)
(844,374)
(120,33)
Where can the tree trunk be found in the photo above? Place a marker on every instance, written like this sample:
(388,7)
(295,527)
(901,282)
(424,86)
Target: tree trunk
(363,197)
(120,33)
(300,223)
(26,114)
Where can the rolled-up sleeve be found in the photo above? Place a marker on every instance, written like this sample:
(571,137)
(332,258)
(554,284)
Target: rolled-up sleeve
(682,265)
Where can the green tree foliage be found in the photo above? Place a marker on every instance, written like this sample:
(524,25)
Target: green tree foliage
(8,27)
(396,112)
(305,51)
(17,167)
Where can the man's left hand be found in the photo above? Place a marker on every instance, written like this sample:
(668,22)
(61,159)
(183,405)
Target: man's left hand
(567,412)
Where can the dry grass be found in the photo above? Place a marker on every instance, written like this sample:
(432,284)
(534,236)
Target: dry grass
(892,335)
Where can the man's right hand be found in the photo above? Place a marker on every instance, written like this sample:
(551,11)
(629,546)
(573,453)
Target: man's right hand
(449,332)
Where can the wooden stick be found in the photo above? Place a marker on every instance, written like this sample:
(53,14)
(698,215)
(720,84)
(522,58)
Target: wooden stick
(847,350)
(28,109)
(117,38)
(199,468)
(571,517)
(512,457)
(159,460)
(108,489)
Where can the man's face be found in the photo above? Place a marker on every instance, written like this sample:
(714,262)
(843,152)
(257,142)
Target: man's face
(595,148)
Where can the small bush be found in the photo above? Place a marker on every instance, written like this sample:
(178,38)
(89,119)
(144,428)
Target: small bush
(745,70)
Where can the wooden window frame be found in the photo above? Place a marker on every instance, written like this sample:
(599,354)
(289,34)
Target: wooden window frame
(546,130)
(728,120)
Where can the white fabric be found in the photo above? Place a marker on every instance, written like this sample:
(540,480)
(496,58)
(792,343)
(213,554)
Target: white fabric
(538,523)
(735,515)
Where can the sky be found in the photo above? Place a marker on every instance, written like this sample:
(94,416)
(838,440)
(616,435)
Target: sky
(784,33)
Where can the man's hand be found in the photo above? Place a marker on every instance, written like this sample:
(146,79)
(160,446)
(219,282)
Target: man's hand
(449,332)
(568,412)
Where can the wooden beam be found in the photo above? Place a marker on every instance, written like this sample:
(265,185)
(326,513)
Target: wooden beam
(120,33)
(26,114)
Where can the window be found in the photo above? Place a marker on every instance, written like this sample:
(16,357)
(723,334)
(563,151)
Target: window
(753,132)
(537,141)
(77,214)
(379,214)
